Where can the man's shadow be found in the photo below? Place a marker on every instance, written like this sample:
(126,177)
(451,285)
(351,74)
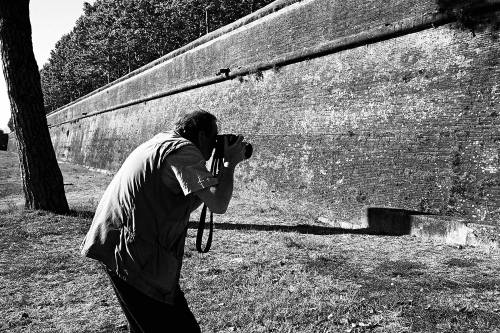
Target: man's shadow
(381,221)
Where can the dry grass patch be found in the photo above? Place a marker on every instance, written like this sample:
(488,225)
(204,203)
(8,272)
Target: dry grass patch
(255,281)
(258,277)
(307,283)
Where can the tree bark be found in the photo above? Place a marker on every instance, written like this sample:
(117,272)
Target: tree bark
(42,179)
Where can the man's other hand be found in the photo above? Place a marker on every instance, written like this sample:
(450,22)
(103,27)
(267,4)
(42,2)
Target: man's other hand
(234,153)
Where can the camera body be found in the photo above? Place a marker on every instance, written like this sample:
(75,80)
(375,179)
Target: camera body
(231,139)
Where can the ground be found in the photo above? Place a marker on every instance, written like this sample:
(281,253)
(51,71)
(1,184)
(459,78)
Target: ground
(267,271)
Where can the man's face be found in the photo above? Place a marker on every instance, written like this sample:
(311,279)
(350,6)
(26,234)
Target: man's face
(207,141)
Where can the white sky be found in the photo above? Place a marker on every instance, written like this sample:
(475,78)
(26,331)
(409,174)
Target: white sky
(50,20)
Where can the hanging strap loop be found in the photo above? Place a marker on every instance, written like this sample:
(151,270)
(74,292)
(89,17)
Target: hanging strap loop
(201,225)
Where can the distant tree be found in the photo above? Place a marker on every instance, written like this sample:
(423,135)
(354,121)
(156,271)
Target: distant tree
(115,37)
(42,179)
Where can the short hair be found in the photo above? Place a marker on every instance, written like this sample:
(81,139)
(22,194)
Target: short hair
(190,124)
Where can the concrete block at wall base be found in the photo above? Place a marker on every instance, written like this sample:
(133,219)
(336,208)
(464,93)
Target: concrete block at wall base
(447,229)
(444,229)
(484,235)
(452,230)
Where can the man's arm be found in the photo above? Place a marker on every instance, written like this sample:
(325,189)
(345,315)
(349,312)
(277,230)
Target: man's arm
(217,197)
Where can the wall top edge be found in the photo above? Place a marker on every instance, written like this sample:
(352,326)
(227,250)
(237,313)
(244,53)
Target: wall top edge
(267,10)
(248,20)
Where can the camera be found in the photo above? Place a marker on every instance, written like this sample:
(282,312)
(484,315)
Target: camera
(231,139)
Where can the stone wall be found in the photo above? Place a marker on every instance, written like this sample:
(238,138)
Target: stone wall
(349,105)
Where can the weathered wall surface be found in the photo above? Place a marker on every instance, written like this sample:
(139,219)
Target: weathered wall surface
(348,105)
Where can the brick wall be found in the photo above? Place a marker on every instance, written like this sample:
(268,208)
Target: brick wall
(349,105)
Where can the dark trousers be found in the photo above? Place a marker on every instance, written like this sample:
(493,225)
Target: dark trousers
(147,315)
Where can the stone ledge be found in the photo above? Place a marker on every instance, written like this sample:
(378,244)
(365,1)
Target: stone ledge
(453,230)
(444,229)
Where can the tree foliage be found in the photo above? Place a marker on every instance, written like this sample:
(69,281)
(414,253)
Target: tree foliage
(114,37)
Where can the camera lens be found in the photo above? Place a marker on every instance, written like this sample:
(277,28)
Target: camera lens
(231,139)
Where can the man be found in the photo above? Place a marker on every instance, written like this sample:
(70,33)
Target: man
(139,228)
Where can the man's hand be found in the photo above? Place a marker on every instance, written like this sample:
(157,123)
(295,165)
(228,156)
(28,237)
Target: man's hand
(235,153)
(217,197)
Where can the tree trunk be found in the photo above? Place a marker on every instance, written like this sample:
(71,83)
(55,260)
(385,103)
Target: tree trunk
(42,179)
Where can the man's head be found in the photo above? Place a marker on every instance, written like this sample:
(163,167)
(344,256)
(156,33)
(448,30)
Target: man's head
(199,127)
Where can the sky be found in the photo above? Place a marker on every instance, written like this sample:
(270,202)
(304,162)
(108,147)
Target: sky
(50,20)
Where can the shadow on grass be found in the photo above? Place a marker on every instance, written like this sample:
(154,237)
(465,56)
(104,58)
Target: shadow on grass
(301,228)
(86,214)
(414,292)
(381,221)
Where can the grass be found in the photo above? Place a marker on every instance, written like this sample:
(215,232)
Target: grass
(252,280)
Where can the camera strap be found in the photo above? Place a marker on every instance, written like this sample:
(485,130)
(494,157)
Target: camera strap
(201,225)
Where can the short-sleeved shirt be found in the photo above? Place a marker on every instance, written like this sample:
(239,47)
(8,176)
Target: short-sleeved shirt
(186,168)
(140,224)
